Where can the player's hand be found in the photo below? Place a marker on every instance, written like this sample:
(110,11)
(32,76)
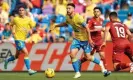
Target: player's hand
(103,44)
(130,39)
(92,43)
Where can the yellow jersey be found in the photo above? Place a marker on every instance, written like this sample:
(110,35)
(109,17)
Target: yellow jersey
(76,22)
(21,27)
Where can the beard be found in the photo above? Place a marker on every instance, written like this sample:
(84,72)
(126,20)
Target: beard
(96,16)
(69,13)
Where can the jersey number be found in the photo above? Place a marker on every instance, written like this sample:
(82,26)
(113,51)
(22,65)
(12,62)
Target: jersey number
(120,32)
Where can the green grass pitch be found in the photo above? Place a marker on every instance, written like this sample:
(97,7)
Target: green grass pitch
(65,76)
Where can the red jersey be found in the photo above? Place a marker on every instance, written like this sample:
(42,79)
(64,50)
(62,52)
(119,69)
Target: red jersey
(120,43)
(117,31)
(95,24)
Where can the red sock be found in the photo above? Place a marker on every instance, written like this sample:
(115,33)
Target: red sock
(121,66)
(83,60)
(104,62)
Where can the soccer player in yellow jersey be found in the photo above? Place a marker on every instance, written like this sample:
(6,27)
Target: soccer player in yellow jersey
(21,26)
(81,38)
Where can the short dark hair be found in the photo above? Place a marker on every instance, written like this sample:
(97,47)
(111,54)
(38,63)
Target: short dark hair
(22,6)
(71,4)
(98,9)
(113,14)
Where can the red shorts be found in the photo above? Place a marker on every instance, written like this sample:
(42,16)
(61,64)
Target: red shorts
(98,47)
(120,49)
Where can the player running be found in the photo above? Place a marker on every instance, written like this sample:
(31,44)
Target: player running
(21,26)
(95,25)
(121,44)
(80,40)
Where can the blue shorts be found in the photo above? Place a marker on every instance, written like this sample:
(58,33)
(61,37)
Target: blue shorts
(19,44)
(81,44)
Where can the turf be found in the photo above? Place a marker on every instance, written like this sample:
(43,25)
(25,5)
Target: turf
(65,76)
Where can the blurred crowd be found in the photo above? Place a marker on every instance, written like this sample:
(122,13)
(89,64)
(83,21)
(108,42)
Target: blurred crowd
(48,13)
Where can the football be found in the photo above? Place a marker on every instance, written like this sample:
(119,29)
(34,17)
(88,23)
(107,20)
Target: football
(49,73)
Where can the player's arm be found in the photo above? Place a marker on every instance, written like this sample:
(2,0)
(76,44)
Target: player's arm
(107,27)
(64,23)
(129,33)
(89,36)
(130,36)
(13,26)
(83,24)
(32,23)
(61,24)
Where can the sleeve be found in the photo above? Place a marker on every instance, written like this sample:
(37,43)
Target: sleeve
(32,23)
(81,21)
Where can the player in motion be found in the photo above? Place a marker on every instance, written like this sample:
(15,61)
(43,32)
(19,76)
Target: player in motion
(21,26)
(80,40)
(121,44)
(95,25)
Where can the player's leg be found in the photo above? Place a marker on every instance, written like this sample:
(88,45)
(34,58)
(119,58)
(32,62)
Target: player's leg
(12,58)
(100,63)
(102,55)
(83,59)
(21,47)
(120,66)
(129,53)
(87,50)
(27,61)
(118,61)
(75,62)
(75,46)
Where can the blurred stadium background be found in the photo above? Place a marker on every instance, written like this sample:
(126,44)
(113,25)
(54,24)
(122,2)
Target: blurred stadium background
(46,11)
(54,47)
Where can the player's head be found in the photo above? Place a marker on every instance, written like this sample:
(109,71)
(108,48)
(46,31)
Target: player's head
(97,11)
(70,8)
(21,10)
(113,16)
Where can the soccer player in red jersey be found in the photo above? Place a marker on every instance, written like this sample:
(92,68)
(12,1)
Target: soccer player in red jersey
(121,45)
(95,25)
